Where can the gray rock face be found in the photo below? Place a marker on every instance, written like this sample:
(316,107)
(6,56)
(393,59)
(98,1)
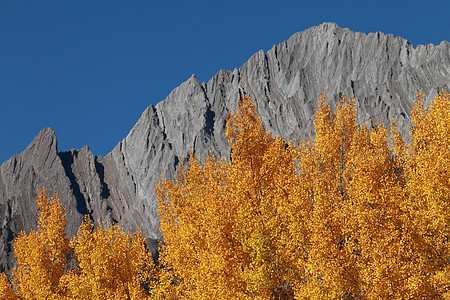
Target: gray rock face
(381,72)
(21,178)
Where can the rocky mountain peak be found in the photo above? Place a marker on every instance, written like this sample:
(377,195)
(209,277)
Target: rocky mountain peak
(44,143)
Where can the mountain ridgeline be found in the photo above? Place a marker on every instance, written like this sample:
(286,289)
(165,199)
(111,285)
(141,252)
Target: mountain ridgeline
(382,72)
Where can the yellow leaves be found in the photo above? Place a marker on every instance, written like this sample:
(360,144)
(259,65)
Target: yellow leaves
(220,219)
(426,170)
(344,216)
(101,263)
(357,213)
(196,219)
(429,156)
(42,255)
(109,263)
(6,290)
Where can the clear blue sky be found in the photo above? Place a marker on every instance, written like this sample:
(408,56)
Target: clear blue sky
(88,69)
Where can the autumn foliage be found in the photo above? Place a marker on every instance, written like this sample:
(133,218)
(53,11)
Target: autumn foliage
(356,213)
(101,263)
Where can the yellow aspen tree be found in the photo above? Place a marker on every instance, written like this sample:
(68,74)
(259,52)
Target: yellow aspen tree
(329,269)
(352,236)
(220,220)
(42,255)
(262,178)
(197,226)
(427,172)
(109,264)
(101,263)
(378,229)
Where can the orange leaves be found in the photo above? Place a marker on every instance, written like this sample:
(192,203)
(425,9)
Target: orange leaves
(220,219)
(42,255)
(429,156)
(96,264)
(342,217)
(6,290)
(198,218)
(427,174)
(110,263)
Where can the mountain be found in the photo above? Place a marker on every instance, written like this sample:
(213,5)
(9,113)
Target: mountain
(382,72)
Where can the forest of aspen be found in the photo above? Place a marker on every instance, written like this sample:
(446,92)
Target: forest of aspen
(356,212)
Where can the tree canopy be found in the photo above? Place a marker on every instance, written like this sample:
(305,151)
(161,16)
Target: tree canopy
(101,263)
(356,213)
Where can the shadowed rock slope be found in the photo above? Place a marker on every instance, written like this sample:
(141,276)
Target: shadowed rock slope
(383,73)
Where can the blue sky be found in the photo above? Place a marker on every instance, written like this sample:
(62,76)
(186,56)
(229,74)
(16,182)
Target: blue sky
(88,69)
